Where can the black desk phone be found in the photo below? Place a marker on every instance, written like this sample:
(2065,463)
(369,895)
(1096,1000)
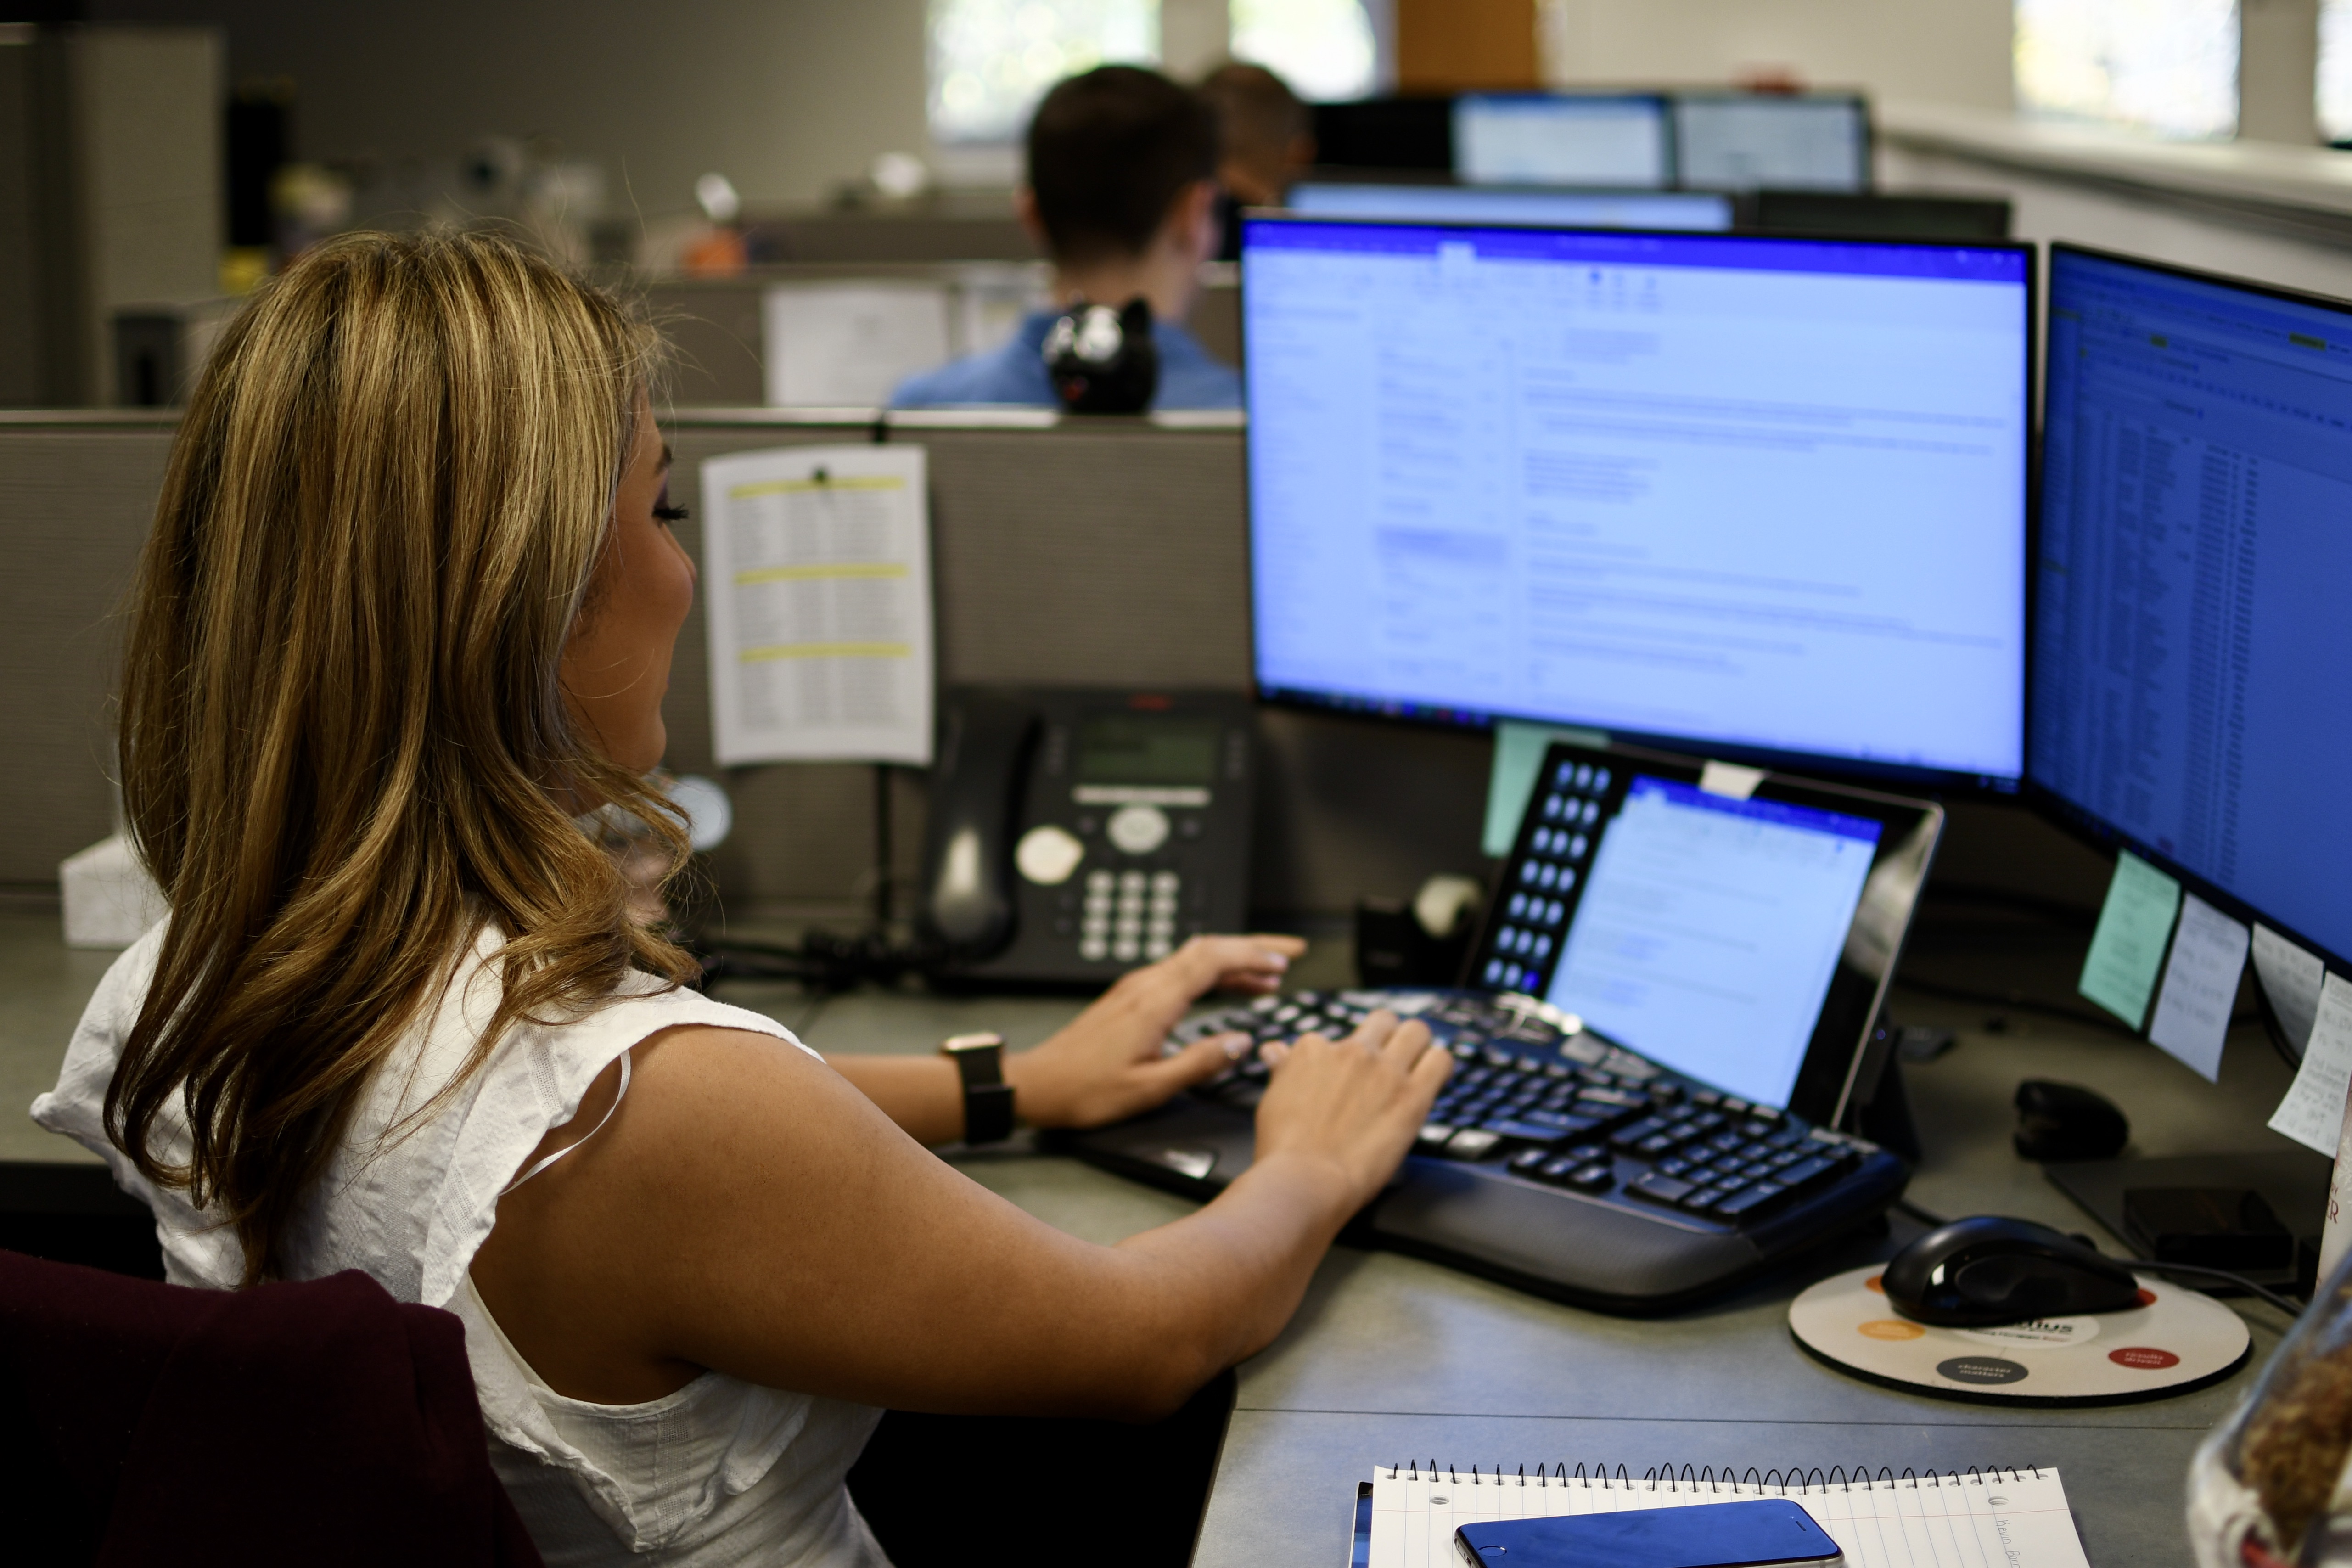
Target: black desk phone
(1077,833)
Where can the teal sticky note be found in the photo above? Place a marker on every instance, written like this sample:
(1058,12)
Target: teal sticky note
(2128,948)
(1518,751)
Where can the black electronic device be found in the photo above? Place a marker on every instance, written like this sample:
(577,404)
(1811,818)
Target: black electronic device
(1075,834)
(1879,215)
(1103,361)
(2067,1121)
(1989,1270)
(1391,133)
(1755,1533)
(1666,1143)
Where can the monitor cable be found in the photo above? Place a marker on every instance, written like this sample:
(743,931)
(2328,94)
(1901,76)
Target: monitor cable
(2153,1266)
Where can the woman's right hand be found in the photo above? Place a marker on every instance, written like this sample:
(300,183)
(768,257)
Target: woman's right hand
(1355,1105)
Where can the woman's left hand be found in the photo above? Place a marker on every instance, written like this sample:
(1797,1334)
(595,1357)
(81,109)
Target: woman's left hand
(1106,1065)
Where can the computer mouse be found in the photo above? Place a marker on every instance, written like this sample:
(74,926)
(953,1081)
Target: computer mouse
(2067,1121)
(1982,1272)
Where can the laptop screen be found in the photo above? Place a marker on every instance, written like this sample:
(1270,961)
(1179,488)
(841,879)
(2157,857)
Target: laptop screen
(1699,929)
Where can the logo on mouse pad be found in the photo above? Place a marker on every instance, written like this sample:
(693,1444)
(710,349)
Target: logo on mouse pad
(1981,1369)
(2040,1334)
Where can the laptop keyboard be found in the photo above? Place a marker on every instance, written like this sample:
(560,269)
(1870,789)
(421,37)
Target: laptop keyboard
(1535,1103)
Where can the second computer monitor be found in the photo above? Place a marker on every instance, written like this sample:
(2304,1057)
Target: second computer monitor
(1563,139)
(2191,643)
(1739,493)
(1747,142)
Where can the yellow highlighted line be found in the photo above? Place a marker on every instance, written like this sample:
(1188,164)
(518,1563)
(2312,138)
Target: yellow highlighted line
(823,651)
(799,487)
(751,575)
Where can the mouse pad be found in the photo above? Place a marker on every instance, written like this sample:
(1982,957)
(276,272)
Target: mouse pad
(2175,1340)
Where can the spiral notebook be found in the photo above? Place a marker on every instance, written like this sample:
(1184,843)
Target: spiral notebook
(1405,1517)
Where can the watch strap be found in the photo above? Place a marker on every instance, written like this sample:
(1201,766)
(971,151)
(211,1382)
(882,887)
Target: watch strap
(987,1097)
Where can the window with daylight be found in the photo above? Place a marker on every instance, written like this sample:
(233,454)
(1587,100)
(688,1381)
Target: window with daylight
(2165,67)
(2335,88)
(991,60)
(1323,49)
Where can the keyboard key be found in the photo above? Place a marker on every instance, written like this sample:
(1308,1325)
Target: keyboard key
(1571,1125)
(1749,1200)
(1659,1189)
(1586,1154)
(1706,1198)
(1527,1131)
(1527,1162)
(1659,1143)
(1592,1178)
(1472,1143)
(1555,1168)
(1763,1113)
(1706,1097)
(1626,1137)
(1807,1172)
(1433,1137)
(1673,1167)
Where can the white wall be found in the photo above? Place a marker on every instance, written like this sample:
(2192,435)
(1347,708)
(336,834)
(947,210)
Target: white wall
(1932,51)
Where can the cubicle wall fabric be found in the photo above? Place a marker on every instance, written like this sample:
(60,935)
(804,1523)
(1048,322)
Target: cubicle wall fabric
(1110,554)
(75,505)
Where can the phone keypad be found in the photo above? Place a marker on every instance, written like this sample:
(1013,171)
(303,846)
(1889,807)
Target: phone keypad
(1130,916)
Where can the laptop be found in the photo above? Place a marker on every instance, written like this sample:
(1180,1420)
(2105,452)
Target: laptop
(1663,1027)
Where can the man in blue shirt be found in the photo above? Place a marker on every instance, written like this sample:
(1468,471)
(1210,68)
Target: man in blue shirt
(1122,194)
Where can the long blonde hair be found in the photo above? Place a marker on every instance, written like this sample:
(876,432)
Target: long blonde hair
(344,748)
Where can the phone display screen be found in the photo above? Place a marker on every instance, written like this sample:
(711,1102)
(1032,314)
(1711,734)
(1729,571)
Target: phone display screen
(1132,749)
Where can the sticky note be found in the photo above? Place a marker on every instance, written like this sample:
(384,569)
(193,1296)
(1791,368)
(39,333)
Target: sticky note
(2200,988)
(2313,1112)
(2290,978)
(2128,945)
(1519,752)
(1729,779)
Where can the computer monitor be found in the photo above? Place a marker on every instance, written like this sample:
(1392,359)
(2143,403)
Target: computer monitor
(2190,636)
(1702,211)
(1400,131)
(1563,139)
(1748,140)
(1878,215)
(1760,496)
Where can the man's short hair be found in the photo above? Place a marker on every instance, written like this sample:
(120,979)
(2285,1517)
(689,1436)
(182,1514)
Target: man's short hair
(1258,117)
(1110,153)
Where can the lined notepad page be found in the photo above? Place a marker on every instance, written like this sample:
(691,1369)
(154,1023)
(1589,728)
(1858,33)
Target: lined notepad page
(2013,1518)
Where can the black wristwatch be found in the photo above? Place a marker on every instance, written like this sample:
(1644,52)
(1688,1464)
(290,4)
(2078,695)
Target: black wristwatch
(987,1097)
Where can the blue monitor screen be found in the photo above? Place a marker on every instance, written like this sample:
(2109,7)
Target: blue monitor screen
(1563,139)
(1738,493)
(1702,211)
(2190,627)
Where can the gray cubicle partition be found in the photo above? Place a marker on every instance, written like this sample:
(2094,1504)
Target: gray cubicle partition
(1094,552)
(77,493)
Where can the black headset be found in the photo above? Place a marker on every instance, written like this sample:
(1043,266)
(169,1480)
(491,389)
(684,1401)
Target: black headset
(1103,361)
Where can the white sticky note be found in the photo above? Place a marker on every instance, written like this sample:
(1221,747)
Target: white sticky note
(1730,780)
(2200,988)
(2290,978)
(2313,1112)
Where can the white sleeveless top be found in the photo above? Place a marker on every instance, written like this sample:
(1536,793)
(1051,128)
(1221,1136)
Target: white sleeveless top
(721,1472)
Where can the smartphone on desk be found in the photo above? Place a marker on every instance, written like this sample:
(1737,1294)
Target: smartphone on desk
(1764,1532)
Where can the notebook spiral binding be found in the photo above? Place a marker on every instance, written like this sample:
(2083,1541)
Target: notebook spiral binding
(1776,1482)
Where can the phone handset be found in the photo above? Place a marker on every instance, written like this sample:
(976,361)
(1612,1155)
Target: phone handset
(985,761)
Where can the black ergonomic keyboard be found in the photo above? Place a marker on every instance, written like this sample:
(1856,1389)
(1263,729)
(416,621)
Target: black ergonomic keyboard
(1554,1160)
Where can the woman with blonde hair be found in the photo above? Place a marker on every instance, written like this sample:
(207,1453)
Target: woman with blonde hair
(406,614)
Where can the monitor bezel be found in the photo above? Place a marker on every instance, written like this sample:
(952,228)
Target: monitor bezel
(1820,764)
(2085,825)
(1864,176)
(1827,1077)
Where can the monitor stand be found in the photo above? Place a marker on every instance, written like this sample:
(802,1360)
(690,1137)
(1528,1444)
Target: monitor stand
(2293,1181)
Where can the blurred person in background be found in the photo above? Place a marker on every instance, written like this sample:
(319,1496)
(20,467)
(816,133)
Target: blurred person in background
(1122,196)
(1265,141)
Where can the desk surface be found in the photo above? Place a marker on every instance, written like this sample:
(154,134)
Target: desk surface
(1390,1357)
